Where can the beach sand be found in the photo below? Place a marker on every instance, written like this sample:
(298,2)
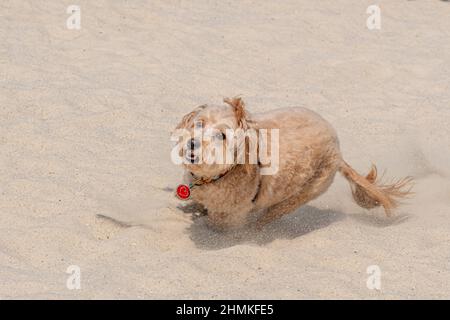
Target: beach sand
(85,169)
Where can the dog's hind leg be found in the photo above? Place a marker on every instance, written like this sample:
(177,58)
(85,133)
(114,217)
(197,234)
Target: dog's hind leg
(313,188)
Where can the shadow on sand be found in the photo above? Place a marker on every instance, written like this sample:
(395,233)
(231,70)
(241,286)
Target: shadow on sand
(304,220)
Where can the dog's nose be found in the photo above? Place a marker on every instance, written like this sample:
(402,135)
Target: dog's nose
(193,144)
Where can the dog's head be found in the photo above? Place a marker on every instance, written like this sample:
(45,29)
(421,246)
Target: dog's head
(209,142)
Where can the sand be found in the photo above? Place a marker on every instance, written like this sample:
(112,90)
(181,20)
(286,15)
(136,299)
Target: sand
(85,170)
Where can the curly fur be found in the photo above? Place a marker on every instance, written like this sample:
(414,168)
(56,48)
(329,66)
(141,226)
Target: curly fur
(309,157)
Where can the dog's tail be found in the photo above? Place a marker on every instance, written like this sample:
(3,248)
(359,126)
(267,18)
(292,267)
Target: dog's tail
(369,192)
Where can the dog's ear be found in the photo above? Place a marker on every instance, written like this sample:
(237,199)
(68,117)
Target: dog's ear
(238,106)
(187,119)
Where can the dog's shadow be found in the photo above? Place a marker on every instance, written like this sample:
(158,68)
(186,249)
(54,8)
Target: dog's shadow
(306,219)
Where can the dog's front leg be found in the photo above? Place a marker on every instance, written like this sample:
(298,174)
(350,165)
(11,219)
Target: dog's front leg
(278,210)
(230,220)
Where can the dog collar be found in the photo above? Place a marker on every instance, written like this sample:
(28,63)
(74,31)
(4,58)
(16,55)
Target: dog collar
(198,181)
(184,191)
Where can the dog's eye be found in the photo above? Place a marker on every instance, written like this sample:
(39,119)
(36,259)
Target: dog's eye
(198,124)
(220,136)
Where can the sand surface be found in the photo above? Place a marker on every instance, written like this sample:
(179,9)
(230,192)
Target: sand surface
(85,170)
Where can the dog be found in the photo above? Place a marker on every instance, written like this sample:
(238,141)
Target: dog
(308,159)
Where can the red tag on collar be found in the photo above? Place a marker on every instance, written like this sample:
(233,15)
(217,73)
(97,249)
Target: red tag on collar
(183,192)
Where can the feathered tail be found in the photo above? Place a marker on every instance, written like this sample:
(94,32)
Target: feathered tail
(369,192)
